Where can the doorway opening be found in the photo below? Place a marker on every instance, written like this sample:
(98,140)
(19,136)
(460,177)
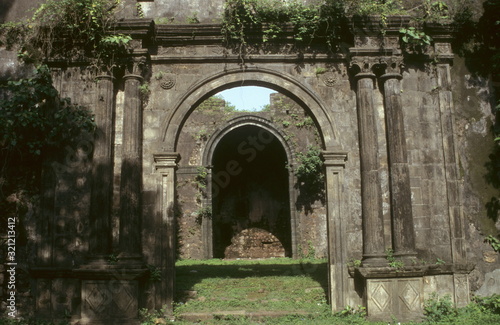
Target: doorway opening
(250,196)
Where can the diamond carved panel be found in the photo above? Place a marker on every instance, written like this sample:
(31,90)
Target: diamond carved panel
(109,299)
(381,297)
(98,298)
(400,297)
(410,297)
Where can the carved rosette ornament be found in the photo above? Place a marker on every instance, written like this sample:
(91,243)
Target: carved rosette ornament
(168,81)
(329,79)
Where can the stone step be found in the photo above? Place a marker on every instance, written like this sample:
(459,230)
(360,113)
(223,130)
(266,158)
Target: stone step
(255,315)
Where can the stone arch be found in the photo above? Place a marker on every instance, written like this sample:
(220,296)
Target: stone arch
(278,81)
(238,122)
(334,158)
(207,159)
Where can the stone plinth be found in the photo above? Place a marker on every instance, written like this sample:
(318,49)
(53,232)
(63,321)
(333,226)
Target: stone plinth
(400,292)
(110,293)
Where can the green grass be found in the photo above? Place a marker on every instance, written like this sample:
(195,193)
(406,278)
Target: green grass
(252,285)
(293,286)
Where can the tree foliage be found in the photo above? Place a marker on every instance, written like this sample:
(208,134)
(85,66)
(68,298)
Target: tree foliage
(310,178)
(33,118)
(33,122)
(68,30)
(273,17)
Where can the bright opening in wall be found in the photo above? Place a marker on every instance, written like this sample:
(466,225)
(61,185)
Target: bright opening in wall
(247,98)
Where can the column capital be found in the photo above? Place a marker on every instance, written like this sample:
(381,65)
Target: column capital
(392,65)
(366,62)
(166,160)
(334,158)
(137,64)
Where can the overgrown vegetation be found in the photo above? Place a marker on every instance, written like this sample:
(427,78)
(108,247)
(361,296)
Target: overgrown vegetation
(494,242)
(247,21)
(393,261)
(295,287)
(69,30)
(310,178)
(261,21)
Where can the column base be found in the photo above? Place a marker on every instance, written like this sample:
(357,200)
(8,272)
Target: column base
(374,260)
(408,257)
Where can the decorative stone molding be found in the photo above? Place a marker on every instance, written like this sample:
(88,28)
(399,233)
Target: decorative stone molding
(166,161)
(334,158)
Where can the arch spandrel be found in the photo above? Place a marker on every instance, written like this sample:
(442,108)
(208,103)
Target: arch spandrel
(278,81)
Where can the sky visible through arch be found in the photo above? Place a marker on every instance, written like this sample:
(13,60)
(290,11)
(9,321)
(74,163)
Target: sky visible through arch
(249,98)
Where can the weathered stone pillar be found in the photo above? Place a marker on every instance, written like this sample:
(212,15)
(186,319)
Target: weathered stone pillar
(403,233)
(337,268)
(166,164)
(131,170)
(206,230)
(102,170)
(454,186)
(373,226)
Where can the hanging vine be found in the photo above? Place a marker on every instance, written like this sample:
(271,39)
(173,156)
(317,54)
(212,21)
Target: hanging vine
(269,19)
(69,30)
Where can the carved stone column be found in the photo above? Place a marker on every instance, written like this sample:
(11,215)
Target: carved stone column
(131,170)
(102,170)
(403,233)
(373,226)
(337,252)
(165,164)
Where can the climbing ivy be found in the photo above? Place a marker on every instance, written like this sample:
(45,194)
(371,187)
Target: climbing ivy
(250,22)
(68,30)
(414,40)
(310,178)
(271,18)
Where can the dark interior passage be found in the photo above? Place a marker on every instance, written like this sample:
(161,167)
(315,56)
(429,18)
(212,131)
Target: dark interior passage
(251,214)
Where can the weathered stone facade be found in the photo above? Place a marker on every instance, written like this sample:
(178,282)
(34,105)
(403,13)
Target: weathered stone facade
(391,127)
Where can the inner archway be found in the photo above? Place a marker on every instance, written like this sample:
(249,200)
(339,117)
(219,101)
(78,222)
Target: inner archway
(250,195)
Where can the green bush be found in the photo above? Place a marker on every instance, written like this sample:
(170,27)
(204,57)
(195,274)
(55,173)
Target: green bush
(439,309)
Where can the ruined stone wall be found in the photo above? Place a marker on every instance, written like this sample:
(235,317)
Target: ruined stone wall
(475,98)
(288,117)
(447,114)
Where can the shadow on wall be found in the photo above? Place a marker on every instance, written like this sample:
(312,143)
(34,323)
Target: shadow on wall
(15,10)
(5,6)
